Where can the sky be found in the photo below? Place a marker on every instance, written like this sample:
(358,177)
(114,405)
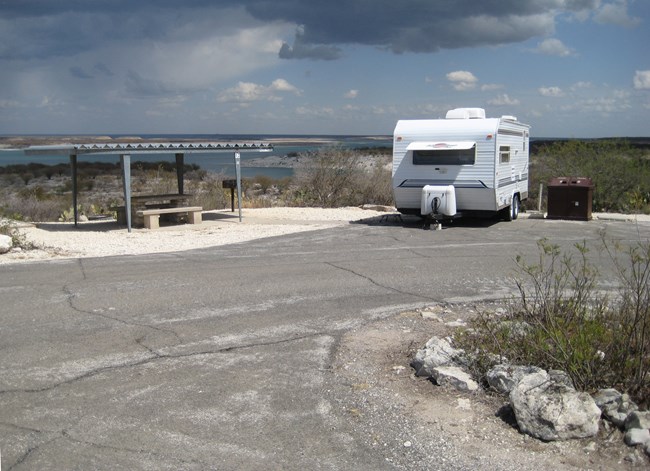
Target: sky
(569,68)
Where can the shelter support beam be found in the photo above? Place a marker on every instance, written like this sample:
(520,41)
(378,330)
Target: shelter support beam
(75,188)
(125,163)
(238,173)
(180,170)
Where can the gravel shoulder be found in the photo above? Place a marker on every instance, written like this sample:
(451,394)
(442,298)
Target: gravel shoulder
(414,421)
(61,240)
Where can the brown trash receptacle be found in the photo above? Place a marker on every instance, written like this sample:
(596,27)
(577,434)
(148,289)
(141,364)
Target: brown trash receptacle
(570,198)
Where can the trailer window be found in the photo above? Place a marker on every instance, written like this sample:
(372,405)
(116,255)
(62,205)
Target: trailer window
(504,154)
(445,156)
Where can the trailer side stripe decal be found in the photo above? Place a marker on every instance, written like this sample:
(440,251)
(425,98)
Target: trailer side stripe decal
(511,132)
(419,183)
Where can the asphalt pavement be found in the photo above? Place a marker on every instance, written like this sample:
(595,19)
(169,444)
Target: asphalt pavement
(221,358)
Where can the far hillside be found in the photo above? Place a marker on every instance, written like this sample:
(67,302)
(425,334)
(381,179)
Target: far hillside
(331,177)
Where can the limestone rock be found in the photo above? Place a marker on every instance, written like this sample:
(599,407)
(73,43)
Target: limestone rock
(614,405)
(551,410)
(637,436)
(5,243)
(505,377)
(437,352)
(638,419)
(455,377)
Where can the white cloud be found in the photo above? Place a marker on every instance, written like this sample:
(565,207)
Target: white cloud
(351,94)
(248,92)
(616,13)
(315,111)
(580,86)
(281,85)
(503,100)
(462,80)
(554,47)
(551,92)
(642,80)
(488,87)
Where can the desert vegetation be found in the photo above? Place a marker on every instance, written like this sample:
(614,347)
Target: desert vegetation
(562,319)
(619,170)
(334,177)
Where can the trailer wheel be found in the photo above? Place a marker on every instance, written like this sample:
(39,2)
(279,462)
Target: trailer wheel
(514,208)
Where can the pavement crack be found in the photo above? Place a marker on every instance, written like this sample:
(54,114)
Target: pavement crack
(66,434)
(82,268)
(22,458)
(156,356)
(380,285)
(70,296)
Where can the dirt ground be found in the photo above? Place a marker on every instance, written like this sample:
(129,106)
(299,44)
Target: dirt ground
(388,403)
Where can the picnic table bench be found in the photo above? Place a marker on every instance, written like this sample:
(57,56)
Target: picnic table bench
(151,217)
(178,203)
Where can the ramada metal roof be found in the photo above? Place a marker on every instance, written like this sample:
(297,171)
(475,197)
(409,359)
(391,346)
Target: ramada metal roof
(147,147)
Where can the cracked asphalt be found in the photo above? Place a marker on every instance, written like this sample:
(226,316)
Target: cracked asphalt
(221,358)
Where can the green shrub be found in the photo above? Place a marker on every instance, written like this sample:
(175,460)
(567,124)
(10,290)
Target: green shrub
(620,173)
(561,320)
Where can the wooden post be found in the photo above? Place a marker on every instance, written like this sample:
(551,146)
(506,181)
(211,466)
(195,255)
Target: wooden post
(180,170)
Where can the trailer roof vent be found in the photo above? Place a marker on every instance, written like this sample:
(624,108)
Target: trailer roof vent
(507,117)
(466,113)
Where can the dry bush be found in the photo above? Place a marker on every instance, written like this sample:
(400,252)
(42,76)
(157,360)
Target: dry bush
(33,209)
(562,321)
(336,178)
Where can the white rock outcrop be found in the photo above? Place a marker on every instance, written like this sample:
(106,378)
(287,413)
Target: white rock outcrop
(455,377)
(551,410)
(437,352)
(6,243)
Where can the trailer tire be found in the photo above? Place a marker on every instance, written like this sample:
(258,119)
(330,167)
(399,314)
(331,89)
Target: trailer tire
(514,207)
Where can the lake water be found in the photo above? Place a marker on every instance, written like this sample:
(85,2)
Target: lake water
(217,162)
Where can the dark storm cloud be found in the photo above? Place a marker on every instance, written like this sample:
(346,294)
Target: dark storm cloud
(62,27)
(141,87)
(78,72)
(415,25)
(300,50)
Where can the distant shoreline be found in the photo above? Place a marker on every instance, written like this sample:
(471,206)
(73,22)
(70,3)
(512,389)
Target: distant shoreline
(23,141)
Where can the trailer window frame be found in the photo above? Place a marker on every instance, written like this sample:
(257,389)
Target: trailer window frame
(504,154)
(445,156)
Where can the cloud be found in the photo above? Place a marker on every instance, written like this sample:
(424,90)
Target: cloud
(103,69)
(491,86)
(247,92)
(315,111)
(351,94)
(615,13)
(503,100)
(141,87)
(642,80)
(554,47)
(78,72)
(301,50)
(462,80)
(46,28)
(580,86)
(554,92)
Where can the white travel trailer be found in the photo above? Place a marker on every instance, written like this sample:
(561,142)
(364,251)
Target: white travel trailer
(463,164)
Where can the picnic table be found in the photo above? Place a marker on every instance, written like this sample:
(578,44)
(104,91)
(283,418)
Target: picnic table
(141,203)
